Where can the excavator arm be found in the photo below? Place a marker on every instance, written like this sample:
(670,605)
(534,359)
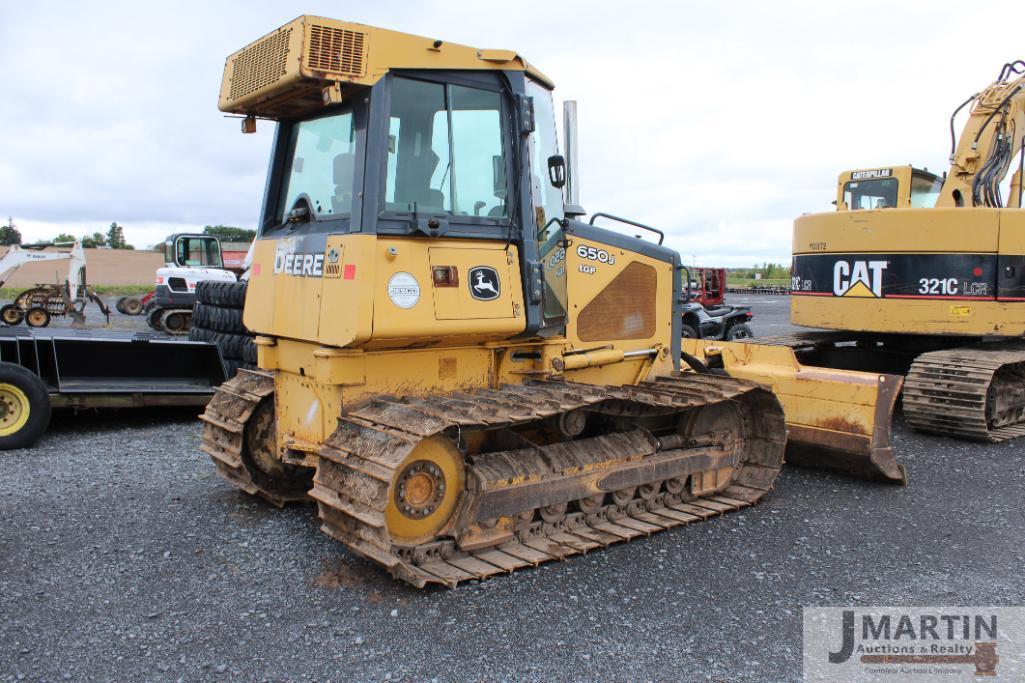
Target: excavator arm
(989,143)
(18,256)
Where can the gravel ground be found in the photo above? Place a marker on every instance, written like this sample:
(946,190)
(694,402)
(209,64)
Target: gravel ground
(124,557)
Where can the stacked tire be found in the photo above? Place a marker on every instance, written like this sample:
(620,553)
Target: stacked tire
(217,318)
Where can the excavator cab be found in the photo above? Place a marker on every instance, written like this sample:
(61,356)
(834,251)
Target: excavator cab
(887,188)
(192,251)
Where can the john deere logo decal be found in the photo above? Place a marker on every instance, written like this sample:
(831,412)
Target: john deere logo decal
(858,278)
(484,283)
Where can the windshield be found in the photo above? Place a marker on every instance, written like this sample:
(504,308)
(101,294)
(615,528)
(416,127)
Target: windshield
(925,190)
(870,194)
(445,150)
(197,251)
(321,161)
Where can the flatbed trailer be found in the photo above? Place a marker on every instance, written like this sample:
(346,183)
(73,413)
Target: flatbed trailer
(42,369)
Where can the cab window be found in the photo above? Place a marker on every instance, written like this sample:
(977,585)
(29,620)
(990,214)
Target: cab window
(445,151)
(870,194)
(925,190)
(197,251)
(319,165)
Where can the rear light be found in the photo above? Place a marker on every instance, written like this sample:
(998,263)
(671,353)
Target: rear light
(749,315)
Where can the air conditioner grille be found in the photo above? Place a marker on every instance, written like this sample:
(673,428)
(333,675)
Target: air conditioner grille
(260,65)
(337,50)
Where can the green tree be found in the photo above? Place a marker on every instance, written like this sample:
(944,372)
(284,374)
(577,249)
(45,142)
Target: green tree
(116,236)
(229,233)
(97,239)
(64,237)
(9,234)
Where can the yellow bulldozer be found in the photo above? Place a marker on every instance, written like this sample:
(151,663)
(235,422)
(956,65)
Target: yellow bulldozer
(462,376)
(919,279)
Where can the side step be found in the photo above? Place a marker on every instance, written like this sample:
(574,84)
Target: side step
(836,419)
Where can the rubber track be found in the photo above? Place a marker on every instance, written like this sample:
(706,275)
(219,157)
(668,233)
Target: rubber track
(947,392)
(359,460)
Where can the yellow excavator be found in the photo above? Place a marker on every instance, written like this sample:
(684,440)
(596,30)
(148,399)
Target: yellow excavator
(464,377)
(920,279)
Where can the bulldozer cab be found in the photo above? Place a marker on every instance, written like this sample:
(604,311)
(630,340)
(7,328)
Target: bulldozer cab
(441,155)
(887,188)
(192,251)
(414,197)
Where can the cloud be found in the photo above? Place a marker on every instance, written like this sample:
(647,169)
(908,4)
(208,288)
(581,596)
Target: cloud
(718,123)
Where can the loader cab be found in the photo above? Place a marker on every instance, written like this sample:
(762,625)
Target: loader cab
(431,155)
(887,188)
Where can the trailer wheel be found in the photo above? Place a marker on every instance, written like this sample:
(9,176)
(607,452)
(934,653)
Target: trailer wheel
(37,316)
(131,305)
(12,315)
(24,407)
(119,305)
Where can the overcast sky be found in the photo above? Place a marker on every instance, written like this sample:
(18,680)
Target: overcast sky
(718,122)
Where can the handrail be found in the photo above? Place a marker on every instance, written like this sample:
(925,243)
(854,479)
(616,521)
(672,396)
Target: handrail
(661,235)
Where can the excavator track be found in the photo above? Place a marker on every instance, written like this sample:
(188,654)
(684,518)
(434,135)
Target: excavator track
(972,392)
(528,500)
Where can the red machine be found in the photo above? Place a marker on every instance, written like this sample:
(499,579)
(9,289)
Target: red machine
(708,286)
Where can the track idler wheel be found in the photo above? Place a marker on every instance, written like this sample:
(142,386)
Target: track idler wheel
(176,321)
(424,491)
(260,459)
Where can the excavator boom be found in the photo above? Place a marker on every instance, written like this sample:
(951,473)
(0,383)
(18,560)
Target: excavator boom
(991,139)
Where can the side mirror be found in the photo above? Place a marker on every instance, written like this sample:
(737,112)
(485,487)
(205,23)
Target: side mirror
(557,170)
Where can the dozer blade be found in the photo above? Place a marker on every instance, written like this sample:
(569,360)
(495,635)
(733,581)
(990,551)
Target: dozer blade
(836,419)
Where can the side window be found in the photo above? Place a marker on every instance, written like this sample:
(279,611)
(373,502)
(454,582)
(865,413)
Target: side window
(321,160)
(477,153)
(445,150)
